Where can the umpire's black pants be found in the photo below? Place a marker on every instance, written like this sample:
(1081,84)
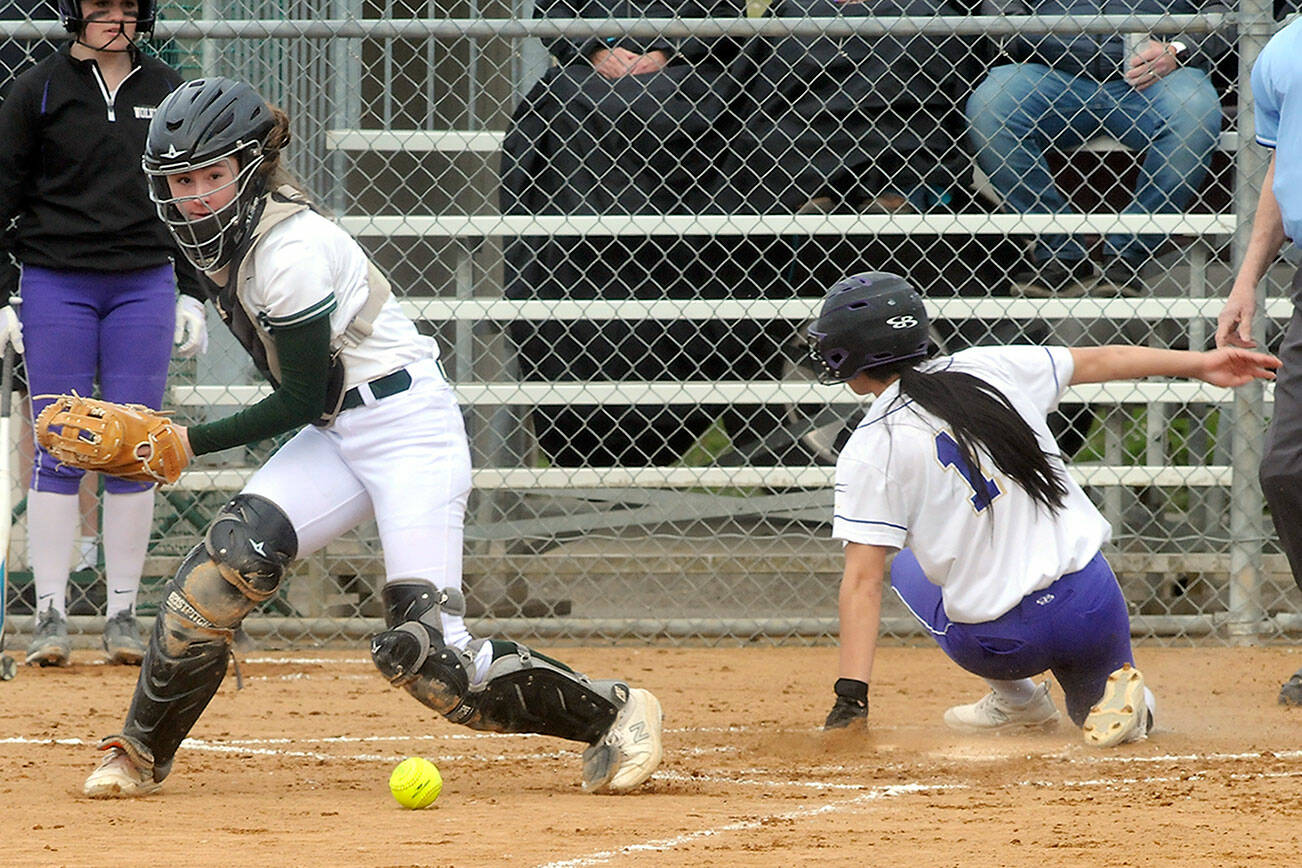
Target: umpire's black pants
(1281,459)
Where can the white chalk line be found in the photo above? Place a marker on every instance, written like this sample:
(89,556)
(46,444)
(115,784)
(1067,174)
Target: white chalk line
(308,661)
(753,777)
(245,747)
(233,744)
(880,792)
(870,794)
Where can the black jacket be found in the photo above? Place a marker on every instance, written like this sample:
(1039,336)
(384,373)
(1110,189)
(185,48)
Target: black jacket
(1099,55)
(70,172)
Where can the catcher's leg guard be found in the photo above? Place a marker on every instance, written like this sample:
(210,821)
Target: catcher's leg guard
(519,691)
(239,564)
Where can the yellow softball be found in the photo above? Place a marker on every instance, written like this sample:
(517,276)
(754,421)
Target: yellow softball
(415,782)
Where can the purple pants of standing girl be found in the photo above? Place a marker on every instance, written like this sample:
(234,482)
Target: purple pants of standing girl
(77,324)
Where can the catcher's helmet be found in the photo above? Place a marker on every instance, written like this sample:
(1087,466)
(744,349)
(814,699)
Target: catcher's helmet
(70,15)
(201,123)
(867,320)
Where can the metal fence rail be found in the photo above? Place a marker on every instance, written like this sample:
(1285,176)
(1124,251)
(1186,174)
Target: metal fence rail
(651,459)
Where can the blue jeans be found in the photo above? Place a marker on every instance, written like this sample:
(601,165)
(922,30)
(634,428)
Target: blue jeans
(1077,628)
(1022,108)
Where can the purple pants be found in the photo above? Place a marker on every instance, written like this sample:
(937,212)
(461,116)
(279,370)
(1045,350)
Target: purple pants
(1077,628)
(79,323)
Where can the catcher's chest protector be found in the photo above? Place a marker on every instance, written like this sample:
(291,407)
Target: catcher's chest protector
(247,326)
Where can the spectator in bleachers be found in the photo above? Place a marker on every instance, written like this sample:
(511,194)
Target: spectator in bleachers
(869,123)
(714,126)
(1060,90)
(621,126)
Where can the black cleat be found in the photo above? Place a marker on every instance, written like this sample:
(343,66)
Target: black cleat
(1291,692)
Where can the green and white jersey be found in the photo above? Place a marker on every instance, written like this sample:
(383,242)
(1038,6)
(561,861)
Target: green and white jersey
(306,267)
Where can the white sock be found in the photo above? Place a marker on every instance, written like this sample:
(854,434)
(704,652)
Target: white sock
(86,551)
(52,522)
(1016,693)
(128,519)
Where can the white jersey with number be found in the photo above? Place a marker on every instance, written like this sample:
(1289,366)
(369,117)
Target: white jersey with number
(305,266)
(978,535)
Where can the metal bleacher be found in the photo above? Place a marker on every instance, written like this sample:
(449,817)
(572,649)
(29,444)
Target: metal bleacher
(463,302)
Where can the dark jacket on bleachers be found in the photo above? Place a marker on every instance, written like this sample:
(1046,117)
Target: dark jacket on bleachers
(1098,55)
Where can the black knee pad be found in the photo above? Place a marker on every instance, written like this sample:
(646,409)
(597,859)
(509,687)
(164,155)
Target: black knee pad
(412,653)
(255,541)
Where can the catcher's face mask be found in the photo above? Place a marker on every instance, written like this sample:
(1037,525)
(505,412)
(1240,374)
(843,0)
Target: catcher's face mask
(205,206)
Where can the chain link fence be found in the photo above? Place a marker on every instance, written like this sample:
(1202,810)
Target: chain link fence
(616,219)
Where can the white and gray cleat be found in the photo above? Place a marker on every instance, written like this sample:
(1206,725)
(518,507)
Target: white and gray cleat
(993,713)
(630,750)
(119,777)
(1122,714)
(50,645)
(122,640)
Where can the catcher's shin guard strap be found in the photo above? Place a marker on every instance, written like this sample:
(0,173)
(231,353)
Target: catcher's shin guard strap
(142,756)
(412,654)
(414,657)
(419,600)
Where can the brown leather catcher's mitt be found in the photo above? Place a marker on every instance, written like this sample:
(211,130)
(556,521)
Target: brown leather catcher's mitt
(129,441)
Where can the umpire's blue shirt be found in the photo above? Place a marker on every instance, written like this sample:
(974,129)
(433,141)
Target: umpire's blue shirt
(1277,104)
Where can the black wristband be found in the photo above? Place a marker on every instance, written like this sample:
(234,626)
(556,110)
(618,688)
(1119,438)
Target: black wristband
(852,689)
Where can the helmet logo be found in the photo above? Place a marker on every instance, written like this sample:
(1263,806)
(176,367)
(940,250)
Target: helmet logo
(172,151)
(903,321)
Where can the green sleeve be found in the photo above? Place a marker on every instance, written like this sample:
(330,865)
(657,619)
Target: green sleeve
(304,353)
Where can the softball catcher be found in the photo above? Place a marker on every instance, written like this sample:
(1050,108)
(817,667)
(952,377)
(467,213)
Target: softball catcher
(381,437)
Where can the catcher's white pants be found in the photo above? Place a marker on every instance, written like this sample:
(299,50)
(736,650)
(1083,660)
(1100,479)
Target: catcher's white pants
(402,460)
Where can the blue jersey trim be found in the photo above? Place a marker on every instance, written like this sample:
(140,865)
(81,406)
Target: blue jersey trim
(869,521)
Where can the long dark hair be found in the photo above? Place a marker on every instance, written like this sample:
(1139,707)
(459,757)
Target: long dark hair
(273,173)
(981,415)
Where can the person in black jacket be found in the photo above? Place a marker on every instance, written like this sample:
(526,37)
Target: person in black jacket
(98,277)
(624,125)
(861,123)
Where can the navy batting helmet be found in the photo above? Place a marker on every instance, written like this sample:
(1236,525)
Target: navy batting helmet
(201,123)
(70,15)
(867,320)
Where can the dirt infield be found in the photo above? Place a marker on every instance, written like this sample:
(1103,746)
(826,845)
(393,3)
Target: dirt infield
(293,769)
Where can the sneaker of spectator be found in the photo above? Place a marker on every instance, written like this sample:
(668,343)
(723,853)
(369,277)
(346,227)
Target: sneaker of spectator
(818,205)
(1121,277)
(1054,279)
(889,203)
